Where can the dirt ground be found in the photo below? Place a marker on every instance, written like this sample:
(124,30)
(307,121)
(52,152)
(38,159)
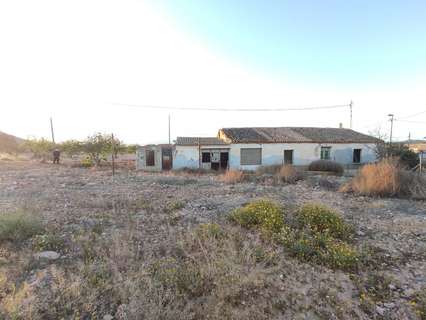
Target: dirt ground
(73,200)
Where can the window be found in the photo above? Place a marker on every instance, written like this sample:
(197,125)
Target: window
(252,156)
(325,153)
(150,158)
(205,157)
(288,156)
(357,156)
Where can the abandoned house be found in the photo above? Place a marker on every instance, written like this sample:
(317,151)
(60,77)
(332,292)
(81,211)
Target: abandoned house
(249,148)
(154,157)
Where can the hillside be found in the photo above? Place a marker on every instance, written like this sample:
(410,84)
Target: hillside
(9,143)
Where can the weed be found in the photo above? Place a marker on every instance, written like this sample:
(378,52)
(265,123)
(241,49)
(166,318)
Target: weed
(210,230)
(261,213)
(288,174)
(321,219)
(174,206)
(232,176)
(19,226)
(419,304)
(48,241)
(387,179)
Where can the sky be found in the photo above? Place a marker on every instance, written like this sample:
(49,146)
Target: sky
(92,64)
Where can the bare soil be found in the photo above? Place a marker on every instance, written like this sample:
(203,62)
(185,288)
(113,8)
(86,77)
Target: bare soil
(160,206)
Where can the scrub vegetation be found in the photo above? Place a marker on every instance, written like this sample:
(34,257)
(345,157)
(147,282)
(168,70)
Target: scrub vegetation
(163,246)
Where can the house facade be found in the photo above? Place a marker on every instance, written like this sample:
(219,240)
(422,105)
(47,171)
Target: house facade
(154,157)
(250,148)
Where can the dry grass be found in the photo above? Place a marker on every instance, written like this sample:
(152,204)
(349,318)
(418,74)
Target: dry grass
(232,176)
(387,179)
(326,166)
(288,174)
(19,226)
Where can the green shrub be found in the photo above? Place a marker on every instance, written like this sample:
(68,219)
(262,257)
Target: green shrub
(326,165)
(419,304)
(19,226)
(210,230)
(321,219)
(48,241)
(323,249)
(265,214)
(174,206)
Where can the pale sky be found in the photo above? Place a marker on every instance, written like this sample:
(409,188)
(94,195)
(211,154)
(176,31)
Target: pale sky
(74,60)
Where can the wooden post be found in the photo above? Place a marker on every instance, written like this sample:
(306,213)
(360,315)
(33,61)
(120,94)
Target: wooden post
(113,154)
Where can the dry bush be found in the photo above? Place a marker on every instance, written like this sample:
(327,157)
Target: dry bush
(216,265)
(386,178)
(327,166)
(288,174)
(271,169)
(232,176)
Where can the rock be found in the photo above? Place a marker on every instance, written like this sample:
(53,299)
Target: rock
(389,305)
(392,287)
(49,255)
(381,311)
(108,317)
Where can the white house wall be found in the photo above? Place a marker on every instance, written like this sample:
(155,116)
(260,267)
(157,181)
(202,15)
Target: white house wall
(141,159)
(188,156)
(303,153)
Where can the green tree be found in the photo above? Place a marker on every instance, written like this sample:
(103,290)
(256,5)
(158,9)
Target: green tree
(40,148)
(99,146)
(72,147)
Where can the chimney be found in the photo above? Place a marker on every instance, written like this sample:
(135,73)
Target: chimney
(341,125)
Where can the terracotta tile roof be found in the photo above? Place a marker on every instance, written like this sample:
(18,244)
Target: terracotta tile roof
(296,134)
(204,141)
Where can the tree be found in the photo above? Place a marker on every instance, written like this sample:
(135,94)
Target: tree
(40,148)
(99,146)
(380,148)
(72,147)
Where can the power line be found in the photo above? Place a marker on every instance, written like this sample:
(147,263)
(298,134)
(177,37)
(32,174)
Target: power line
(412,115)
(410,121)
(210,108)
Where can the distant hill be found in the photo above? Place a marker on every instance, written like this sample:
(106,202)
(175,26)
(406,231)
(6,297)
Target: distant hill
(9,143)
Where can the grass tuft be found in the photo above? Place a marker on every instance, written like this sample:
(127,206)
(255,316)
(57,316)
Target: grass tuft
(232,176)
(19,226)
(387,179)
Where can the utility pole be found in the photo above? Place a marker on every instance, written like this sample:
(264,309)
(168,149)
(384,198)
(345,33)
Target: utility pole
(169,128)
(391,128)
(391,115)
(350,108)
(51,130)
(409,139)
(113,153)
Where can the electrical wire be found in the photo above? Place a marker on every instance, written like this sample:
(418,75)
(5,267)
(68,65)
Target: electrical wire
(222,109)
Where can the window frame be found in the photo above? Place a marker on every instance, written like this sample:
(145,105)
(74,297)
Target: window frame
(204,153)
(257,163)
(323,153)
(359,156)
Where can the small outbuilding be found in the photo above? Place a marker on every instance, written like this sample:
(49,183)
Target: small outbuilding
(208,153)
(154,157)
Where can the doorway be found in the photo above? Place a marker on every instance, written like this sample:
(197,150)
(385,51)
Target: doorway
(224,156)
(166,157)
(288,156)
